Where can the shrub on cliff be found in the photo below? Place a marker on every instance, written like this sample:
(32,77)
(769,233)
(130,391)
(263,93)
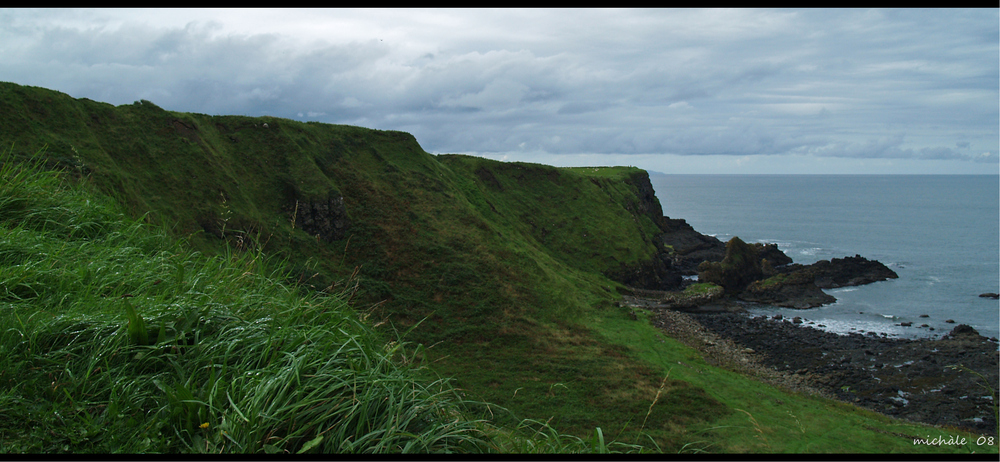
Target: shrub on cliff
(738,268)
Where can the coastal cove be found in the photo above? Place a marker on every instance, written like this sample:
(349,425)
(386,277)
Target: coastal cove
(937,232)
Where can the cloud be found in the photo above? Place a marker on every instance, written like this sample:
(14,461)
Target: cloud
(891,148)
(852,84)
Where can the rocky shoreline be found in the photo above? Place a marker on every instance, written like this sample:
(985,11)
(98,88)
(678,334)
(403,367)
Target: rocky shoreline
(944,382)
(948,381)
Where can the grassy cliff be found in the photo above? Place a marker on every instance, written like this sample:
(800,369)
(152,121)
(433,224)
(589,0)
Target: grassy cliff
(483,254)
(506,273)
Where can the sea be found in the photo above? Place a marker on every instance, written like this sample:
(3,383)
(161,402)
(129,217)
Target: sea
(939,233)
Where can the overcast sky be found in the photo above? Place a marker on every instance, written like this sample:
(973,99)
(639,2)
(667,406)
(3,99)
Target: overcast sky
(674,91)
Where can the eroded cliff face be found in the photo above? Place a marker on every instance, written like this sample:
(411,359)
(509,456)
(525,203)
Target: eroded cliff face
(652,274)
(324,218)
(660,271)
(646,202)
(690,247)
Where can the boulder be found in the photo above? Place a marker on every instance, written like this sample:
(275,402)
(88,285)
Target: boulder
(963,330)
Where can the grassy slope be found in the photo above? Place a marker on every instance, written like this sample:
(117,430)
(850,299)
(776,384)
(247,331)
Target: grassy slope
(115,338)
(500,263)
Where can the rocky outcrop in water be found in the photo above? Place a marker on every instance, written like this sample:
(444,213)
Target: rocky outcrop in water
(740,267)
(761,273)
(844,272)
(799,286)
(793,290)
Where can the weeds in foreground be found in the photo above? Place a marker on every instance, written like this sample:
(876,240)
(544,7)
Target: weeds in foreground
(656,398)
(115,340)
(757,428)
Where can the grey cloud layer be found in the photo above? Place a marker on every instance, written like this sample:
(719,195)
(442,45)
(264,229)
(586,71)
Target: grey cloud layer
(862,84)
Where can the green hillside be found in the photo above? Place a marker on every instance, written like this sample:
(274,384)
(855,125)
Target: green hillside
(507,274)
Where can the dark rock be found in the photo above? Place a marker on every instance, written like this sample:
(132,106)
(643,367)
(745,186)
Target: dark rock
(990,295)
(924,316)
(906,324)
(847,271)
(740,266)
(757,273)
(903,365)
(652,274)
(795,290)
(325,218)
(799,286)
(963,330)
(690,247)
(949,321)
(773,256)
(797,320)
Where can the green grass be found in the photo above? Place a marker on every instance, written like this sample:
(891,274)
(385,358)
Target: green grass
(114,339)
(768,419)
(490,274)
(701,288)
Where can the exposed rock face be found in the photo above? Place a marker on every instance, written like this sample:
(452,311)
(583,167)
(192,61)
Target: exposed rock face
(659,272)
(759,273)
(654,274)
(647,203)
(773,255)
(690,247)
(326,218)
(740,267)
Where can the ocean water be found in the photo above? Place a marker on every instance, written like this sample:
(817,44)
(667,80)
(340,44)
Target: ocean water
(939,233)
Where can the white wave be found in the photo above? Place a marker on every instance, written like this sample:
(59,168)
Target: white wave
(841,290)
(810,251)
